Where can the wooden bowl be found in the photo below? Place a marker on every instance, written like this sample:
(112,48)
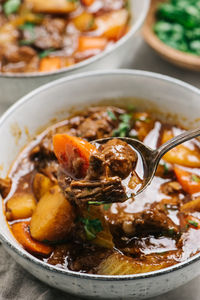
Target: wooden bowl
(176,57)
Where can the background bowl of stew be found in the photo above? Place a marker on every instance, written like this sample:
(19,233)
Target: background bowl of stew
(120,54)
(167,97)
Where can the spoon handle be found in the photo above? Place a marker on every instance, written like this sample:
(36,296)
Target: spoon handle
(185,136)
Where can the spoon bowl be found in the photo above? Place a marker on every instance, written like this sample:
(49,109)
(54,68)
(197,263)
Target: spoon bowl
(151,158)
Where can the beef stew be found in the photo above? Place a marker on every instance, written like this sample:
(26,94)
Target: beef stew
(50,199)
(45,36)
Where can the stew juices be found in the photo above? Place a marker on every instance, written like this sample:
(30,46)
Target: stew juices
(52,191)
(44,36)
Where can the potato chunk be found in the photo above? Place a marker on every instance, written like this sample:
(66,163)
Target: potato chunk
(41,185)
(53,218)
(104,237)
(52,6)
(20,206)
(118,264)
(112,24)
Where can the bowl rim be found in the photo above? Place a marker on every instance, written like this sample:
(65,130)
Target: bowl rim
(43,265)
(87,62)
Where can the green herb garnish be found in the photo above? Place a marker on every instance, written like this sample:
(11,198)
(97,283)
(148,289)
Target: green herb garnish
(11,6)
(195,224)
(27,26)
(46,53)
(178,25)
(111,115)
(125,118)
(31,28)
(107,206)
(195,178)
(171,231)
(92,227)
(95,202)
(124,126)
(166,169)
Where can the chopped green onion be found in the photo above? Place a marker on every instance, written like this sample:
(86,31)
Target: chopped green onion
(195,224)
(11,6)
(46,53)
(111,115)
(107,206)
(195,178)
(92,227)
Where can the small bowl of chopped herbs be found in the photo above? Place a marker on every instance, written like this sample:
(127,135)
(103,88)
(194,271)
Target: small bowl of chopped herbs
(172,29)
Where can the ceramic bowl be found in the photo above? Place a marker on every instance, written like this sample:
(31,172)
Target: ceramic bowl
(14,86)
(54,100)
(176,57)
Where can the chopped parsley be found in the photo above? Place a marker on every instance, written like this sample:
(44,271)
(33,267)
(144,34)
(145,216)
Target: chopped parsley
(95,202)
(191,222)
(107,206)
(125,118)
(46,53)
(27,26)
(171,231)
(31,28)
(92,227)
(124,126)
(11,6)
(111,115)
(166,169)
(195,178)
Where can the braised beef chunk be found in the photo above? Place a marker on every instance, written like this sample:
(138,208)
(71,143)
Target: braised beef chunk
(119,157)
(48,35)
(156,217)
(114,161)
(99,123)
(105,190)
(97,166)
(17,59)
(171,187)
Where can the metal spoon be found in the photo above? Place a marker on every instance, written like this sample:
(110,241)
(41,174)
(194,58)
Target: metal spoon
(152,157)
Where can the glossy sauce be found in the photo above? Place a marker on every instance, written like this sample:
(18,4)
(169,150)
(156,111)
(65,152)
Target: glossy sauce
(132,236)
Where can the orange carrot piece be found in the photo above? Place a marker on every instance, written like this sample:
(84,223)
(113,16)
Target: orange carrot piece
(91,43)
(87,2)
(190,182)
(48,64)
(69,148)
(21,233)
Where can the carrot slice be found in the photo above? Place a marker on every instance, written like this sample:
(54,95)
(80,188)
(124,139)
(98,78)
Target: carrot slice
(21,232)
(190,182)
(87,2)
(91,43)
(73,153)
(48,64)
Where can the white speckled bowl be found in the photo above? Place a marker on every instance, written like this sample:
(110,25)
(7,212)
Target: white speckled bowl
(54,100)
(14,86)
